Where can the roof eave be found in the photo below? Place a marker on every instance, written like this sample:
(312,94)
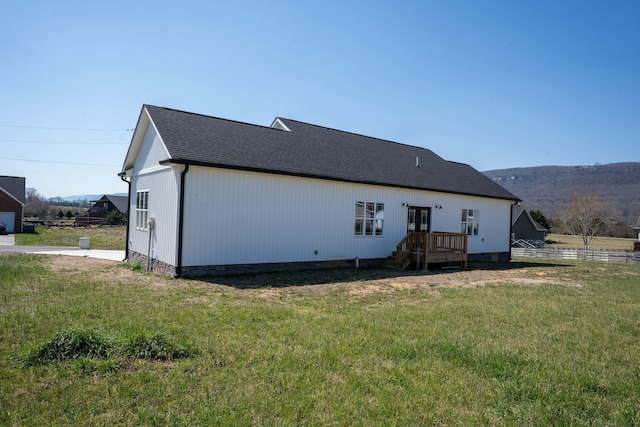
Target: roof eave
(326,178)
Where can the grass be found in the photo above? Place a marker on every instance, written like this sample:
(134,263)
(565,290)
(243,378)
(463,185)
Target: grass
(525,343)
(71,345)
(100,237)
(598,243)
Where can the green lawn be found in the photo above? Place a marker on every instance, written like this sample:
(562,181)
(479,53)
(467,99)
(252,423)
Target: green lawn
(107,237)
(525,343)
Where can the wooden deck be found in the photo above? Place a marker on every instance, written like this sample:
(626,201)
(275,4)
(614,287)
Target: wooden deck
(422,249)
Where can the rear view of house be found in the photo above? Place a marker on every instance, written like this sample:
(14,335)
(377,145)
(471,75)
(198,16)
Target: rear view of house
(12,202)
(213,196)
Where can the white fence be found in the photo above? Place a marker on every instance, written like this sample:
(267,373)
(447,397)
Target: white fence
(578,254)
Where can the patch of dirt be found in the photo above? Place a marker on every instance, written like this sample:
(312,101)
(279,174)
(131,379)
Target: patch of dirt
(63,263)
(353,283)
(102,270)
(435,282)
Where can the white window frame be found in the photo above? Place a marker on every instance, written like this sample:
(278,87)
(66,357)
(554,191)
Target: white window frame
(470,222)
(369,219)
(142,209)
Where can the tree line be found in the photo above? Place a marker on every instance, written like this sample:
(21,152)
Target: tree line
(41,207)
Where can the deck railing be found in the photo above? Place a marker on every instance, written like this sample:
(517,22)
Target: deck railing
(423,248)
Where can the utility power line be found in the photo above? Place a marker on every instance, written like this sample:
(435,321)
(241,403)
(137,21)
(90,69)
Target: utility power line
(80,129)
(59,163)
(62,143)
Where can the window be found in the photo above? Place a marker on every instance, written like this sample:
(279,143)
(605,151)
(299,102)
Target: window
(369,219)
(470,222)
(142,209)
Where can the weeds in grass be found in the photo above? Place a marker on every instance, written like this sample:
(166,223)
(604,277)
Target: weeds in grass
(154,347)
(67,345)
(136,267)
(86,345)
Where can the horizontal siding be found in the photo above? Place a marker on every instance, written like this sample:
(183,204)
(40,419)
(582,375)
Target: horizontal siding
(238,217)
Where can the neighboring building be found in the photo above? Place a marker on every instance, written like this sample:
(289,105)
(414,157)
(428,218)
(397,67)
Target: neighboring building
(637,228)
(12,202)
(524,227)
(214,196)
(102,207)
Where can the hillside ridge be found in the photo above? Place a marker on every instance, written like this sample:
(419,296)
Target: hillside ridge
(547,188)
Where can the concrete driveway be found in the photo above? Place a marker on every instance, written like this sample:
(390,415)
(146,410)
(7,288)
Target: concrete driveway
(7,244)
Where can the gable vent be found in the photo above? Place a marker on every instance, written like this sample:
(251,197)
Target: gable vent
(277,124)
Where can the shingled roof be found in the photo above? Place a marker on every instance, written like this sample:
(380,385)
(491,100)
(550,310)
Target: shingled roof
(14,186)
(518,210)
(313,151)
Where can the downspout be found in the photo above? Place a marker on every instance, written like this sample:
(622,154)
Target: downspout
(126,245)
(181,220)
(511,224)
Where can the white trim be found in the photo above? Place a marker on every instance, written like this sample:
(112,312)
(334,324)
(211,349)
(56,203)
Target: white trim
(278,124)
(153,169)
(12,196)
(138,138)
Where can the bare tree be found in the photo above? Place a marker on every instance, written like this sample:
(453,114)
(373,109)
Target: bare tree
(585,215)
(35,205)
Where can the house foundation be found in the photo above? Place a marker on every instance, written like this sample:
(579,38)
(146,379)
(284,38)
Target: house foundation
(227,270)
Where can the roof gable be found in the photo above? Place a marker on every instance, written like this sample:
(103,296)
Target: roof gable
(14,186)
(517,211)
(302,149)
(12,196)
(120,202)
(147,147)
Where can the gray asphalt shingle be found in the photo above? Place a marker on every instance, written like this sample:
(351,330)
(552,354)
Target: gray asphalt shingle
(314,151)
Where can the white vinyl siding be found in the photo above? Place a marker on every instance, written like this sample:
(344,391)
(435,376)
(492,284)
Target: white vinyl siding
(162,204)
(240,217)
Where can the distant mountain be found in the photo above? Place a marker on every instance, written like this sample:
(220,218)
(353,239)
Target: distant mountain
(89,197)
(547,188)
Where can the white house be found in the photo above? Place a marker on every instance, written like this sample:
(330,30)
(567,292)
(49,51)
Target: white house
(214,196)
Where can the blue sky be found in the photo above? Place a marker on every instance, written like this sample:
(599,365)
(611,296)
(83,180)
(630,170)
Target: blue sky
(495,84)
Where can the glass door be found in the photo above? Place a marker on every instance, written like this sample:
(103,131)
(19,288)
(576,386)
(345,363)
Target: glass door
(418,219)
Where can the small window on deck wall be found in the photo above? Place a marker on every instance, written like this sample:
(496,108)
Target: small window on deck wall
(142,209)
(369,219)
(470,222)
